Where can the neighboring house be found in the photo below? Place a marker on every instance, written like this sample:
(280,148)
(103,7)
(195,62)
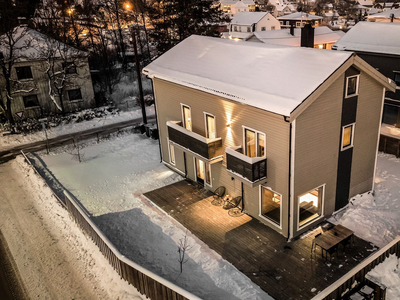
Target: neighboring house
(298,19)
(366,3)
(291,130)
(379,45)
(324,37)
(245,24)
(388,16)
(232,7)
(285,9)
(36,58)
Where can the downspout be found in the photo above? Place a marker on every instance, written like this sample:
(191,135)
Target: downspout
(286,119)
(158,127)
(241,183)
(184,162)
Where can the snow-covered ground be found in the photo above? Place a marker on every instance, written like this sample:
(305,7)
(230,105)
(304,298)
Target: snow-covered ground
(9,141)
(376,218)
(388,274)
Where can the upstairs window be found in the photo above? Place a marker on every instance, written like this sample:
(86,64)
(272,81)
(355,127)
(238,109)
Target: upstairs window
(74,94)
(30,101)
(24,72)
(186,117)
(248,29)
(347,136)
(352,86)
(255,143)
(263,28)
(210,126)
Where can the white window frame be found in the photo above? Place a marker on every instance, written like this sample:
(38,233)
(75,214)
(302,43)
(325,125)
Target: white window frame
(256,132)
(342,148)
(183,116)
(206,124)
(172,162)
(260,207)
(207,166)
(322,208)
(298,24)
(357,86)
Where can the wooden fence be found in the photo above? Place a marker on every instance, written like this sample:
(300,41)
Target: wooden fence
(389,145)
(356,276)
(147,283)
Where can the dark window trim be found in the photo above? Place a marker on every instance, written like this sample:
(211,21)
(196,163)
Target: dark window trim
(74,90)
(23,73)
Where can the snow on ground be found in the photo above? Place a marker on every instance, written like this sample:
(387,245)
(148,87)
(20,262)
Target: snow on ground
(388,274)
(110,183)
(376,218)
(53,256)
(10,141)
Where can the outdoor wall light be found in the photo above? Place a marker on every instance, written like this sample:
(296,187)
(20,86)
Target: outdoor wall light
(228,124)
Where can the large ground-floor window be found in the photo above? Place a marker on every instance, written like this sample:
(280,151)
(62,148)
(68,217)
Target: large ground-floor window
(203,172)
(310,205)
(271,205)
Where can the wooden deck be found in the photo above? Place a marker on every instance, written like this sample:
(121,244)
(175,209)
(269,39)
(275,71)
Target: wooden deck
(285,270)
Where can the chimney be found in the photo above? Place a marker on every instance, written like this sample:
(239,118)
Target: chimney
(307,36)
(391,18)
(292,29)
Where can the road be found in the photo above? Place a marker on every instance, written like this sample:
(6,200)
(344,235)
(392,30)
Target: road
(66,139)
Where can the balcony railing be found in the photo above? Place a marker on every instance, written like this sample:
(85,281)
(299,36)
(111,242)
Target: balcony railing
(207,148)
(250,168)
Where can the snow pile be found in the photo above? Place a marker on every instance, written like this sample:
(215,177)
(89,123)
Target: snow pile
(110,183)
(10,141)
(387,273)
(376,218)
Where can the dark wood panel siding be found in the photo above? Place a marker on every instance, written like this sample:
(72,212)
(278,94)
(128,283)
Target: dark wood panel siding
(316,148)
(366,135)
(168,98)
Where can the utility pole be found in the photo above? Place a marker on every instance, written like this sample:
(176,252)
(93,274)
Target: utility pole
(139,78)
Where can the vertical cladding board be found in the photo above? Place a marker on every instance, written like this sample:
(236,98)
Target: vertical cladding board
(316,147)
(366,135)
(169,96)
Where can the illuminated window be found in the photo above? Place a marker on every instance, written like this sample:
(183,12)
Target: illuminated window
(347,136)
(186,117)
(255,143)
(310,205)
(203,172)
(271,205)
(210,126)
(352,86)
(171,153)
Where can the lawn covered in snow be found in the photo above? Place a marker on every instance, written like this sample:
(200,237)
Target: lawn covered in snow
(115,173)
(110,183)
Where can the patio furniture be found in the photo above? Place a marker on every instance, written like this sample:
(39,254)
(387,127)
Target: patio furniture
(218,194)
(232,206)
(330,240)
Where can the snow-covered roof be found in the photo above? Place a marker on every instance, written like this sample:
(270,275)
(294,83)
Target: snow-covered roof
(240,4)
(300,16)
(387,14)
(248,18)
(248,2)
(33,45)
(322,35)
(378,37)
(259,77)
(373,11)
(365,2)
(228,2)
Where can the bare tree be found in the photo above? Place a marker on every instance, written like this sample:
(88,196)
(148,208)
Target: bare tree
(12,49)
(182,248)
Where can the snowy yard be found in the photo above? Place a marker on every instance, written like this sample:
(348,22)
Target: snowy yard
(115,173)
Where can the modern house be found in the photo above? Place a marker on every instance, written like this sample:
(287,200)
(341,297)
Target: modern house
(47,76)
(295,150)
(299,19)
(232,7)
(324,37)
(245,24)
(379,45)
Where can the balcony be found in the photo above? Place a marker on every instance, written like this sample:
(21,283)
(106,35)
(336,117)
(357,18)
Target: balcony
(207,148)
(250,168)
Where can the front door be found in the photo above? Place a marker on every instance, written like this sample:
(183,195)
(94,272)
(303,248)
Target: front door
(200,171)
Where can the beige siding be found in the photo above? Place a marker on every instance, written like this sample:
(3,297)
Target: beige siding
(169,97)
(40,87)
(316,148)
(366,135)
